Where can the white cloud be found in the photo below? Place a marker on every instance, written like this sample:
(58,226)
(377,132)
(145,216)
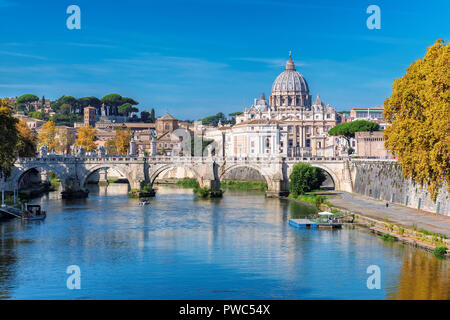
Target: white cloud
(21,55)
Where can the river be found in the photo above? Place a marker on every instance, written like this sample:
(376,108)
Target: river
(180,247)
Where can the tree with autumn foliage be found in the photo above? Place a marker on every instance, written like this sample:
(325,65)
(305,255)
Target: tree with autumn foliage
(47,136)
(86,138)
(419,114)
(8,138)
(122,141)
(65,139)
(26,144)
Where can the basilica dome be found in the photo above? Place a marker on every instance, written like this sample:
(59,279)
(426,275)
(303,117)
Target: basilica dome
(290,88)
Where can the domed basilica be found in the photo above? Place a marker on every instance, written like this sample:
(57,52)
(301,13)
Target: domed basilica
(301,126)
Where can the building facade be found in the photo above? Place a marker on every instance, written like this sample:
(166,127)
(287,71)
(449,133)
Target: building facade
(371,145)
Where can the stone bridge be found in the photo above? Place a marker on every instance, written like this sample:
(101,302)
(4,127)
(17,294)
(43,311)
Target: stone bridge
(74,171)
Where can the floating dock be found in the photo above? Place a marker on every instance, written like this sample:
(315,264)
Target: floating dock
(11,212)
(310,224)
(303,223)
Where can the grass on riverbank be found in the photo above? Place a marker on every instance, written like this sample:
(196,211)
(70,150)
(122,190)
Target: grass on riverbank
(314,198)
(189,183)
(244,185)
(227,184)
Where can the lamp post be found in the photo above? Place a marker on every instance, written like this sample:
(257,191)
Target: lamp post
(3,190)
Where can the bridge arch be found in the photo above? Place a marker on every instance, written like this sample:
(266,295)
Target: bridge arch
(98,167)
(226,169)
(20,173)
(327,170)
(154,172)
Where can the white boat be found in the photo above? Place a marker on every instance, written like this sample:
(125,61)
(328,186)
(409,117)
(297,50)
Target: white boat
(144,203)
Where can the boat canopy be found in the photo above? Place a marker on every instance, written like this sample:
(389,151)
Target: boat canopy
(326,213)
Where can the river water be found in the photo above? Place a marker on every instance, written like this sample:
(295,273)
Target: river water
(180,247)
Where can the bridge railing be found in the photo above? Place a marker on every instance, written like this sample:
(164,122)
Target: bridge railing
(181,159)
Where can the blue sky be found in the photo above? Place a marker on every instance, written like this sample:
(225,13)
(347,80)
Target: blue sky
(196,58)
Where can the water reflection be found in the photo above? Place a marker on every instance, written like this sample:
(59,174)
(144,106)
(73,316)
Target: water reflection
(422,277)
(179,247)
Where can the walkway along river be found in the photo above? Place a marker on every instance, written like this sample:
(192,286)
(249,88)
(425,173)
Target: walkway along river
(180,247)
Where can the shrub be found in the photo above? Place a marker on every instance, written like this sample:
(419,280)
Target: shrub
(319,200)
(387,237)
(440,251)
(147,188)
(202,192)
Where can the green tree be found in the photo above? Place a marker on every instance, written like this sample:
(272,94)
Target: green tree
(130,101)
(419,113)
(9,137)
(347,130)
(305,178)
(113,100)
(214,120)
(90,101)
(152,116)
(126,109)
(145,116)
(36,115)
(26,100)
(43,105)
(70,101)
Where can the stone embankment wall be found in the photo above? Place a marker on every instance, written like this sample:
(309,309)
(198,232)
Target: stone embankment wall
(384,180)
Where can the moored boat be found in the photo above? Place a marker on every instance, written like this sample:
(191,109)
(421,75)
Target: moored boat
(33,213)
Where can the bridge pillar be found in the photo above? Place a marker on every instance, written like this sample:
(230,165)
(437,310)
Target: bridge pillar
(277,188)
(103,177)
(210,184)
(45,176)
(72,189)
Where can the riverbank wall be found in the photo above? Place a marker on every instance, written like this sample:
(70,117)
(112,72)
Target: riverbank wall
(383,180)
(411,237)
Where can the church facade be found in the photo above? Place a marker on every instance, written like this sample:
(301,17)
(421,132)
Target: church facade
(288,124)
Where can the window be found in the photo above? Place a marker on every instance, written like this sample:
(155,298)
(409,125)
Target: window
(308,143)
(267,143)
